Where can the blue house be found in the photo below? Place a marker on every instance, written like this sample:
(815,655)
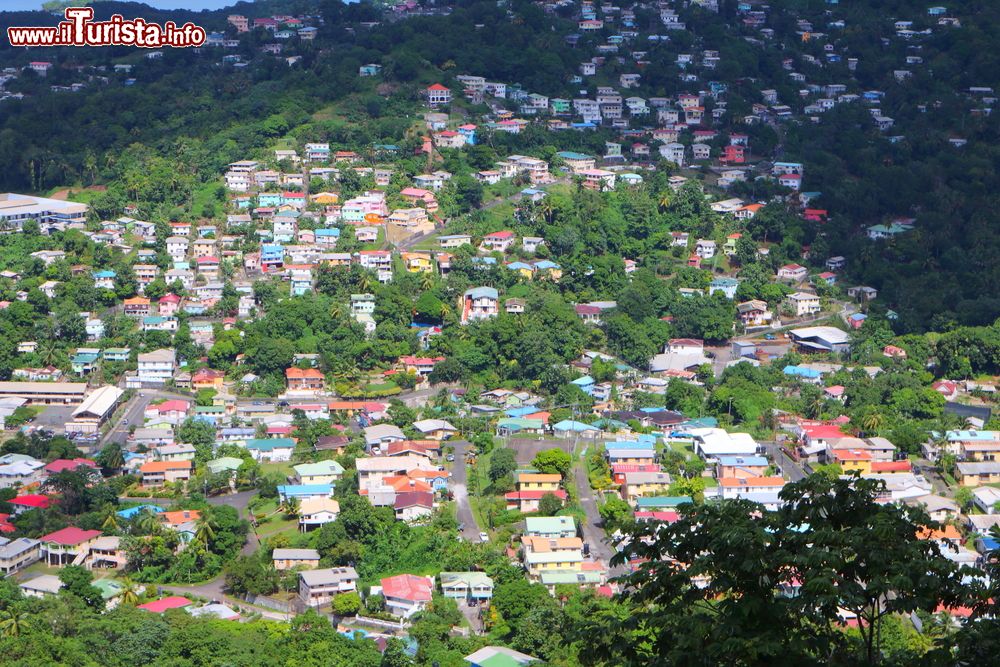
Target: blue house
(568,427)
(586,383)
(305,491)
(270,199)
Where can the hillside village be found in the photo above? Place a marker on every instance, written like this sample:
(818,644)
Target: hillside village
(415,385)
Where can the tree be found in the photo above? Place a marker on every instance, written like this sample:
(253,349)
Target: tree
(616,514)
(549,505)
(345,604)
(502,464)
(77,581)
(129,592)
(552,462)
(12,620)
(711,587)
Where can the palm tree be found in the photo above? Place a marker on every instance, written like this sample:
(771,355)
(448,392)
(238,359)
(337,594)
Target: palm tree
(110,524)
(426,280)
(130,592)
(366,283)
(872,421)
(336,310)
(11,622)
(148,523)
(290,506)
(204,530)
(663,203)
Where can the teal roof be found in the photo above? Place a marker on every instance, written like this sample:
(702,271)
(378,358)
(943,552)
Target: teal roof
(269,444)
(648,502)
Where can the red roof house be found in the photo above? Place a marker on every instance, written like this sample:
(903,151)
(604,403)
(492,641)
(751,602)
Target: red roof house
(162,605)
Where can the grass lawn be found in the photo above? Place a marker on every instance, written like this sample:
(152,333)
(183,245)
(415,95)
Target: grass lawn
(684,448)
(278,525)
(285,468)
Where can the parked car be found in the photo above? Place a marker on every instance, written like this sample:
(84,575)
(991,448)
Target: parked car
(450,458)
(483,537)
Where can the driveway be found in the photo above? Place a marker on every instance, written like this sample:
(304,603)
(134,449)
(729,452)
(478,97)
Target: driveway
(460,488)
(790,468)
(593,527)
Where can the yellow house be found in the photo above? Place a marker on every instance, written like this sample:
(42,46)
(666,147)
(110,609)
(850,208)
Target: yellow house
(638,484)
(418,262)
(974,473)
(551,561)
(853,459)
(538,482)
(980,450)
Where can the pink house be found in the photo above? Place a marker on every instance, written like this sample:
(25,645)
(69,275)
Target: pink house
(168,304)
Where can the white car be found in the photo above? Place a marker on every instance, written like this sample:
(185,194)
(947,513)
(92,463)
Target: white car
(483,537)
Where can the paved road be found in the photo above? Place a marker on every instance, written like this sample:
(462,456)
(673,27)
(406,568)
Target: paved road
(134,411)
(593,527)
(791,469)
(460,487)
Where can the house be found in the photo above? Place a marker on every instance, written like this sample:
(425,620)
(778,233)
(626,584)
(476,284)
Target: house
(379,435)
(804,304)
(314,512)
(18,553)
(271,449)
(638,484)
(156,367)
(705,248)
(550,527)
(305,380)
(479,303)
(753,313)
(319,587)
(437,95)
(497,241)
(286,559)
(42,585)
(726,285)
(793,272)
(974,473)
(321,472)
(68,545)
(820,339)
(435,429)
(466,585)
(413,506)
(406,594)
(374,470)
(741,467)
(158,473)
(862,293)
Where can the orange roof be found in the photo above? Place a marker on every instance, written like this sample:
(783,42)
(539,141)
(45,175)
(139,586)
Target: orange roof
(163,466)
(543,416)
(403,483)
(180,517)
(137,301)
(852,455)
(545,544)
(946,532)
(525,477)
(298,373)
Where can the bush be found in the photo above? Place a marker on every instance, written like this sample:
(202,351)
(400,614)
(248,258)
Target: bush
(346,604)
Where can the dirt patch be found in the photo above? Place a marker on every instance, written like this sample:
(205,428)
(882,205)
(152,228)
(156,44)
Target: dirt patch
(64,194)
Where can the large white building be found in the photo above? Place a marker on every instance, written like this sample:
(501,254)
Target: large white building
(50,214)
(157,367)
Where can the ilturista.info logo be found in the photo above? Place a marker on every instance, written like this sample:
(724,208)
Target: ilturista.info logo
(80,29)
